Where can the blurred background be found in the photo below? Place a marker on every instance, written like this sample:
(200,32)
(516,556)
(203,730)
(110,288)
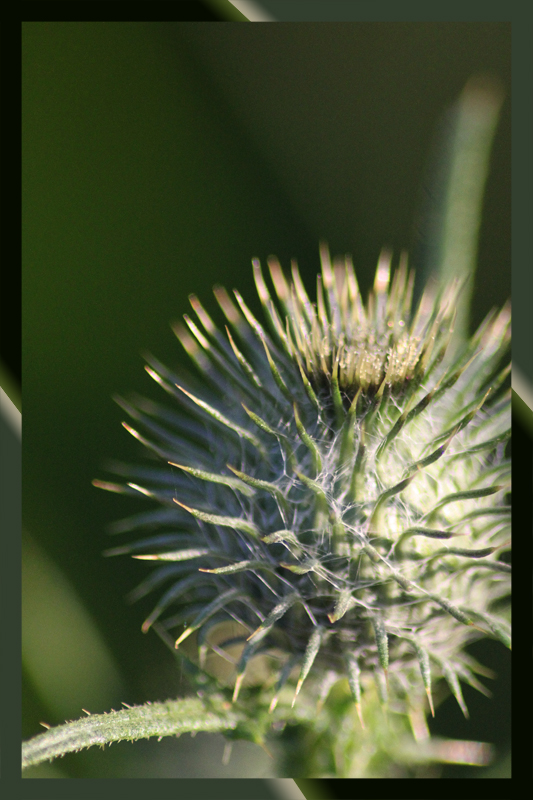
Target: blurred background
(158,159)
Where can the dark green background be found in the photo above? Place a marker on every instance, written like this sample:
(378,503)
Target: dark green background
(158,158)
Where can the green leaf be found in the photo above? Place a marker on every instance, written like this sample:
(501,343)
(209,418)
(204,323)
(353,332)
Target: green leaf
(381,642)
(241,566)
(354,682)
(276,613)
(311,652)
(280,383)
(455,686)
(342,605)
(423,660)
(242,432)
(274,490)
(208,611)
(212,477)
(308,441)
(176,555)
(236,523)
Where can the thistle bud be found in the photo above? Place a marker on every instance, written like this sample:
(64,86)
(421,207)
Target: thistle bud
(338,487)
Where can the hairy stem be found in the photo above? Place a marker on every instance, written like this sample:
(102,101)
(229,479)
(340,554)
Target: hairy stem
(170,718)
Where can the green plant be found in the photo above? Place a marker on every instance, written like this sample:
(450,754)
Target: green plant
(334,518)
(332,532)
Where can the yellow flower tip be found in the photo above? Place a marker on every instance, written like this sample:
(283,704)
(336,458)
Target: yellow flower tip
(183,636)
(237,689)
(153,374)
(140,489)
(478,628)
(182,505)
(182,389)
(146,558)
(273,704)
(226,304)
(297,692)
(381,281)
(262,744)
(202,314)
(253,634)
(430,699)
(187,341)
(109,487)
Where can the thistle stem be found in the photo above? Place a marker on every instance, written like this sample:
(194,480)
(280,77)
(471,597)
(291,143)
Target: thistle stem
(170,718)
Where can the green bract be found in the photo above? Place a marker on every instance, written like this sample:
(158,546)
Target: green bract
(338,490)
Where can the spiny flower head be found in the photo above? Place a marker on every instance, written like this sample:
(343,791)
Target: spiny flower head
(345,343)
(338,486)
